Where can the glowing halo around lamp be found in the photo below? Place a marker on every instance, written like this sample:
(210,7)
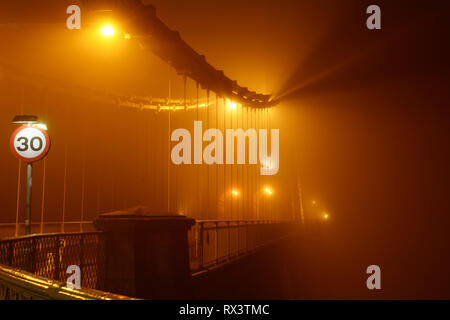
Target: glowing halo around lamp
(107,31)
(232,105)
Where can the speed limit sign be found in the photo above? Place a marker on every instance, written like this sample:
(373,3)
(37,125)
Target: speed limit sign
(30,143)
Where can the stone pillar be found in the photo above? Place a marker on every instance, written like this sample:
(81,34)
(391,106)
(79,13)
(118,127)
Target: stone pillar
(147,254)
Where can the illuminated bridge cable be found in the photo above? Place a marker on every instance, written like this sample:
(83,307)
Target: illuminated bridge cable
(22,101)
(184,91)
(168,145)
(83,176)
(141,21)
(231,169)
(44,169)
(197,173)
(244,186)
(208,207)
(217,166)
(64,188)
(224,167)
(260,211)
(121,100)
(247,209)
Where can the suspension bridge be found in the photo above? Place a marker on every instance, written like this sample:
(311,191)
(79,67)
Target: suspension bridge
(108,179)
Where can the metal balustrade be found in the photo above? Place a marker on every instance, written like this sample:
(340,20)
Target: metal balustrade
(21,285)
(49,255)
(10,230)
(30,264)
(213,242)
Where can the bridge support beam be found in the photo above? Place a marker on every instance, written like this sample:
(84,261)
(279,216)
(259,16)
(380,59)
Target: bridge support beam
(147,254)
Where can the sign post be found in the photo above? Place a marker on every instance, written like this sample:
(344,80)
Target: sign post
(28,209)
(29,143)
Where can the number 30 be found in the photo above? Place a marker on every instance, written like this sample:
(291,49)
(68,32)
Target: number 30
(24,146)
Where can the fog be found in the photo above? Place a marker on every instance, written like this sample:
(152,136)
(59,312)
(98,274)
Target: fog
(363,119)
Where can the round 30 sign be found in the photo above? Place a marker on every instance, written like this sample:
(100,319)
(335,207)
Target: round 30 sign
(29,143)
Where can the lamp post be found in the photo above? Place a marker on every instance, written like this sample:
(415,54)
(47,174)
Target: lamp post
(30,142)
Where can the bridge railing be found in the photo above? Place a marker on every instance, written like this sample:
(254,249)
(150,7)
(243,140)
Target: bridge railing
(11,230)
(49,256)
(213,242)
(27,262)
(21,285)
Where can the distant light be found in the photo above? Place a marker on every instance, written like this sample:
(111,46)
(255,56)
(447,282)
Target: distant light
(268,191)
(325,216)
(234,192)
(314,202)
(127,36)
(107,31)
(232,105)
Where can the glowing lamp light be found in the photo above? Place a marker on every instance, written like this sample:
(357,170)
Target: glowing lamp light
(325,216)
(232,105)
(41,125)
(234,192)
(107,31)
(268,191)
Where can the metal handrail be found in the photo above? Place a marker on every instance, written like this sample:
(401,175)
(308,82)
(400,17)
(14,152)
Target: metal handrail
(18,284)
(5,234)
(48,235)
(49,255)
(213,242)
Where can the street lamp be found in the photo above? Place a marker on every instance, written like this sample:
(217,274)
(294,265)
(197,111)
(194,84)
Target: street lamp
(29,120)
(25,119)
